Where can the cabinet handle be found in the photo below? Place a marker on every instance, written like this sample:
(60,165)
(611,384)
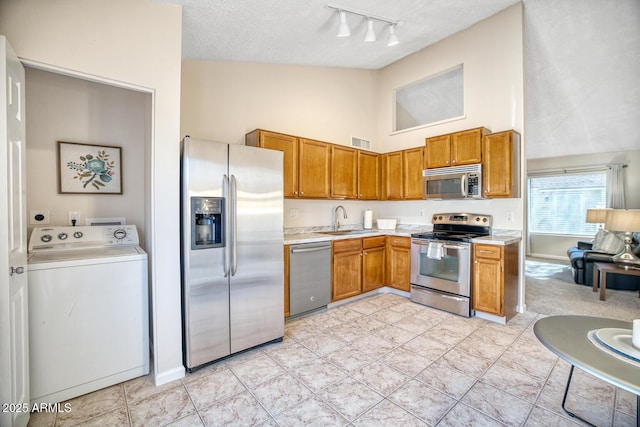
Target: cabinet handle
(484,251)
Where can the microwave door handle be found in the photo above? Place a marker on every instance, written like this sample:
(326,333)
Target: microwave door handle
(463,185)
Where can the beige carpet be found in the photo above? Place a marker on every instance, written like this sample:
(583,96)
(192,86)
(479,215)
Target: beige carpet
(549,289)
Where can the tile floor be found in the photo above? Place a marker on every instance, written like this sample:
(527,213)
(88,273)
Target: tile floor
(377,361)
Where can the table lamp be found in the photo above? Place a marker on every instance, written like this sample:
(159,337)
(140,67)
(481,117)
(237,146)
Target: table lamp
(597,216)
(628,221)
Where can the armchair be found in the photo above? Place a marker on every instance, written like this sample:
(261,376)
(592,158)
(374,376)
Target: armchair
(582,256)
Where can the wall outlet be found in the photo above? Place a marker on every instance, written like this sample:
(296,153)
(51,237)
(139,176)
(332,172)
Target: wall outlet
(39,217)
(293,213)
(509,216)
(421,212)
(74,217)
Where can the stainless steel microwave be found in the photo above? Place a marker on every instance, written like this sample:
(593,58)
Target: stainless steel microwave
(456,182)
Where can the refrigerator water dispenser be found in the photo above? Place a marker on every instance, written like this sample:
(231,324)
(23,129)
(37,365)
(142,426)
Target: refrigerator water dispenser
(207,216)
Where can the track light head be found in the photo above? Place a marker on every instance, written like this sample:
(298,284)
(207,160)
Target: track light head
(370,35)
(393,39)
(343,28)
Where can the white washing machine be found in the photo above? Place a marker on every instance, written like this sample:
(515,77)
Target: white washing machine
(88,310)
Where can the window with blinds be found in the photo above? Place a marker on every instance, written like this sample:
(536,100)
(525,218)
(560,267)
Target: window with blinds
(558,203)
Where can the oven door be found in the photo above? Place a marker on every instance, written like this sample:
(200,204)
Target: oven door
(447,270)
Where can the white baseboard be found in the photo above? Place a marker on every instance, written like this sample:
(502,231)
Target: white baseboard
(165,377)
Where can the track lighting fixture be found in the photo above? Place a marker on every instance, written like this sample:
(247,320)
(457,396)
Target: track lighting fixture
(393,39)
(370,35)
(343,28)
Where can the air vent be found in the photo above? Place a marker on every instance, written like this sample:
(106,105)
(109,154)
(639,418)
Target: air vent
(360,143)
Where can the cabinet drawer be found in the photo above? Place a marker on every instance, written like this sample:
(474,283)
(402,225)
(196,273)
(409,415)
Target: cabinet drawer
(348,245)
(373,242)
(400,242)
(487,251)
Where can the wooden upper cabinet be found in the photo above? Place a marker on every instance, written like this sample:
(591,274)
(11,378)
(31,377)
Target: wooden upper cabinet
(412,166)
(501,164)
(392,176)
(455,149)
(344,172)
(438,151)
(314,169)
(289,146)
(368,175)
(466,147)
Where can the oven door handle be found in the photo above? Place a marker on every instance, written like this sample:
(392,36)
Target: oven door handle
(445,246)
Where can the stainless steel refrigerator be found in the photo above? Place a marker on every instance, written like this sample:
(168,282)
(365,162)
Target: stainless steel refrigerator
(232,249)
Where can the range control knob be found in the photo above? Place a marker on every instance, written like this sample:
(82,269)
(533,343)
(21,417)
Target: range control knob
(46,238)
(485,219)
(63,236)
(120,234)
(77,234)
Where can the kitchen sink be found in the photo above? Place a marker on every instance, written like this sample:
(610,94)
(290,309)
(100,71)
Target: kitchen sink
(345,232)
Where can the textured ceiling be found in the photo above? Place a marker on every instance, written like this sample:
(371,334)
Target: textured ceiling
(582,57)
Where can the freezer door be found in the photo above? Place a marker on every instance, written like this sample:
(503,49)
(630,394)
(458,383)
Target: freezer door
(205,289)
(257,276)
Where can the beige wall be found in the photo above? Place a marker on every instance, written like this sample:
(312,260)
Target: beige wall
(223,101)
(62,108)
(134,44)
(492,54)
(554,246)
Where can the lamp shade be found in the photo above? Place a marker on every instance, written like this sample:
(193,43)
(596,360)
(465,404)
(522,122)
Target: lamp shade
(393,39)
(623,220)
(596,216)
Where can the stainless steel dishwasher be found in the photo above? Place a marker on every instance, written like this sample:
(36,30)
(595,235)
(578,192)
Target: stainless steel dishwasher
(309,277)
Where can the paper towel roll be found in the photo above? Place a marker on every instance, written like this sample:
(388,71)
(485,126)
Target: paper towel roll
(635,334)
(368,219)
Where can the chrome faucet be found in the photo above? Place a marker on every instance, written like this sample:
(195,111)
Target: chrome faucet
(336,223)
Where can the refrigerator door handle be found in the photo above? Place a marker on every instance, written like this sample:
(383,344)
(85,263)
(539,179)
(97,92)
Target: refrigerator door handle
(234,225)
(227,250)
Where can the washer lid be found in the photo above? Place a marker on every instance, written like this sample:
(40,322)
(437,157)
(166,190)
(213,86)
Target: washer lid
(84,254)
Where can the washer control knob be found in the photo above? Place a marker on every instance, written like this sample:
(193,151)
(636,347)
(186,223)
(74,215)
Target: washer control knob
(120,234)
(77,234)
(46,238)
(63,236)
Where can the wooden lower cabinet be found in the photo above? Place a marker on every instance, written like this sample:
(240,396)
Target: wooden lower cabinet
(373,263)
(358,266)
(399,262)
(346,271)
(286,280)
(495,279)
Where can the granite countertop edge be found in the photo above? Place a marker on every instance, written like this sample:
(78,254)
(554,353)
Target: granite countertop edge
(315,234)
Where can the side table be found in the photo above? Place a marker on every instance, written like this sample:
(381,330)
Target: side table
(600,271)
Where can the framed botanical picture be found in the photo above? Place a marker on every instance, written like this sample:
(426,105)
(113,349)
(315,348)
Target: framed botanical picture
(88,168)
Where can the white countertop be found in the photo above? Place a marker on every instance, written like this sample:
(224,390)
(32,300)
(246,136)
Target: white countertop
(500,237)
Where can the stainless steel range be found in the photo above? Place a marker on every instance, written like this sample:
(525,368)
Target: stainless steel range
(441,261)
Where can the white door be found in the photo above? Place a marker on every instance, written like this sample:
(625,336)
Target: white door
(14,331)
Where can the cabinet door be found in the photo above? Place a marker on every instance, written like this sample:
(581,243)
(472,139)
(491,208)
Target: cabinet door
(488,279)
(438,151)
(344,172)
(466,147)
(289,146)
(368,175)
(497,164)
(314,168)
(412,166)
(373,263)
(392,175)
(399,264)
(347,269)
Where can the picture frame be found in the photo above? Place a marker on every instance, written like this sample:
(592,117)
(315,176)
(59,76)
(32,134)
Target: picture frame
(89,168)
